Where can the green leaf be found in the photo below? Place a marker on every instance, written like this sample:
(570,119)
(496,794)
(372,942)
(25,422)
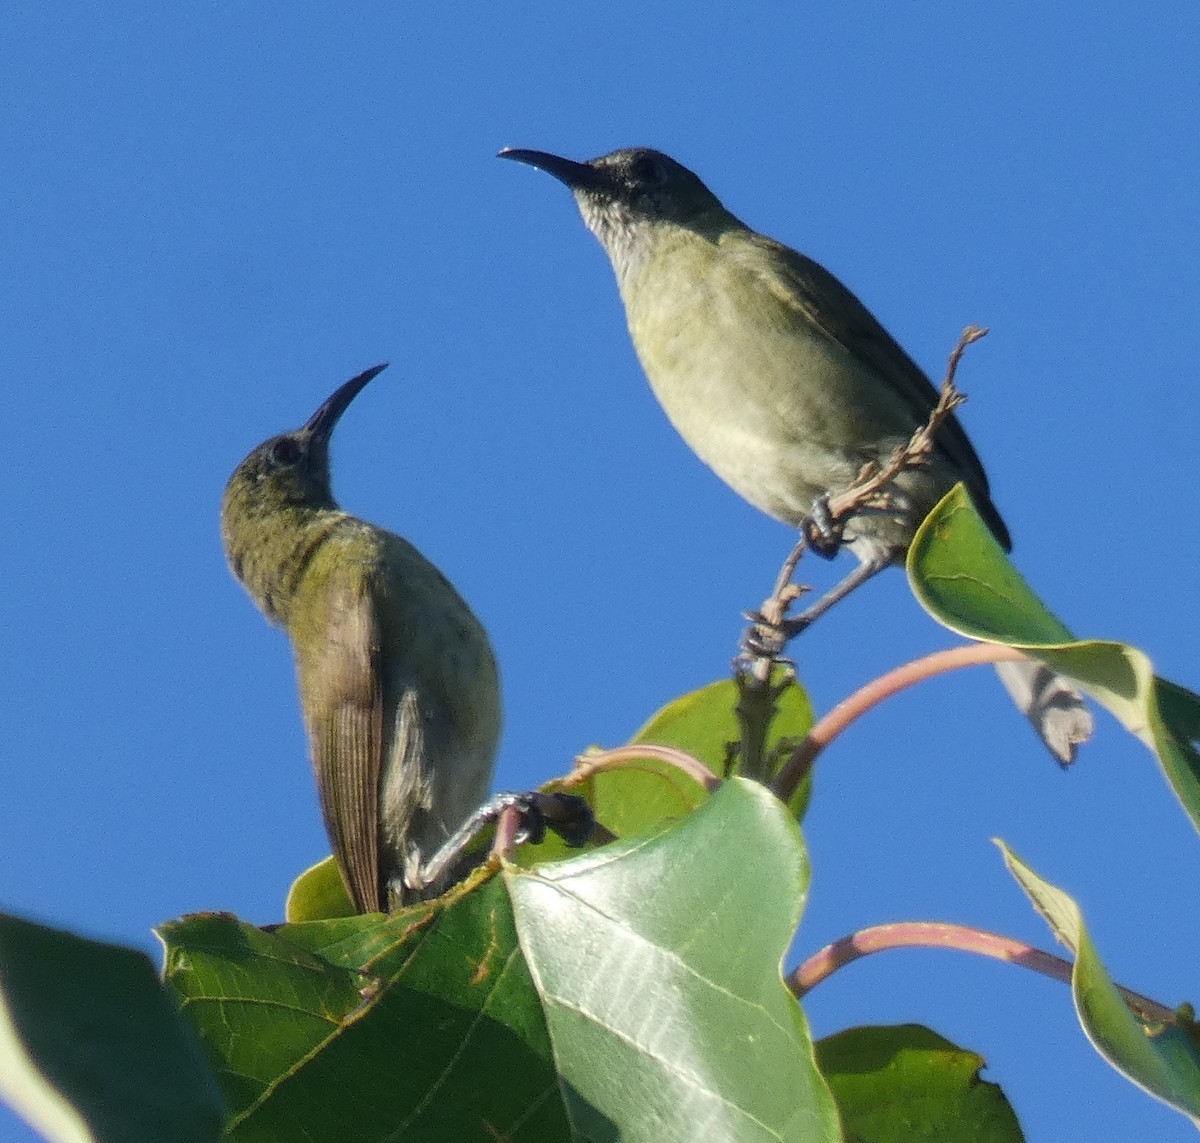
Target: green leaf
(633,992)
(1163,1059)
(964,579)
(639,796)
(258,1003)
(704,723)
(659,968)
(636,797)
(896,1084)
(434,1034)
(319,894)
(93,1048)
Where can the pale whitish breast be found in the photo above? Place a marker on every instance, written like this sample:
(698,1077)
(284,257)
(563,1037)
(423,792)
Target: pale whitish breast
(727,383)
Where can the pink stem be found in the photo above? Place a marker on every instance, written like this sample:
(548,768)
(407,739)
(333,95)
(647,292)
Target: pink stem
(588,764)
(842,715)
(932,934)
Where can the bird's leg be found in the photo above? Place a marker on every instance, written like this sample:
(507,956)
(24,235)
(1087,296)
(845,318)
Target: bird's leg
(793,626)
(763,642)
(568,815)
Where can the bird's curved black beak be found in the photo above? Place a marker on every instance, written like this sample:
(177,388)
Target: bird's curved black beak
(321,423)
(575,175)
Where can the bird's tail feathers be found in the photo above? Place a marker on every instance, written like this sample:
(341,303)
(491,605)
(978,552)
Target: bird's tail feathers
(1053,706)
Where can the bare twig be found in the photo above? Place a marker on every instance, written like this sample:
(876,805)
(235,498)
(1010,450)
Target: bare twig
(930,934)
(762,644)
(869,490)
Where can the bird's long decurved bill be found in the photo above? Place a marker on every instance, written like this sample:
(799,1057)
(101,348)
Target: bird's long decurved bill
(321,423)
(565,170)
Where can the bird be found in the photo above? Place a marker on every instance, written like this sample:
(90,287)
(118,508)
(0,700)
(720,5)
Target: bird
(781,380)
(398,681)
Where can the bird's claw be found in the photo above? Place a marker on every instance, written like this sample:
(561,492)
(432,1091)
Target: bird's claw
(767,639)
(762,640)
(568,815)
(821,531)
(770,630)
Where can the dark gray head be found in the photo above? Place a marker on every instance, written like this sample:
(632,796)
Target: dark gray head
(271,498)
(292,469)
(628,196)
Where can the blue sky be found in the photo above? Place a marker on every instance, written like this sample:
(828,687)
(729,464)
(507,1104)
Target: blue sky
(213,215)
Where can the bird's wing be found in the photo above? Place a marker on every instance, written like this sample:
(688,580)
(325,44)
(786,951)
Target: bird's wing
(342,687)
(823,300)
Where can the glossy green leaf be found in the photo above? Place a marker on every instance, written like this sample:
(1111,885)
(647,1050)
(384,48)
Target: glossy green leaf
(965,580)
(435,1033)
(659,967)
(897,1084)
(1163,1059)
(639,796)
(704,723)
(319,894)
(93,1048)
(259,1004)
(632,992)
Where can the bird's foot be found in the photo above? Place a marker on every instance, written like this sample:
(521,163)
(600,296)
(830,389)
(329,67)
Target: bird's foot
(770,629)
(821,531)
(568,815)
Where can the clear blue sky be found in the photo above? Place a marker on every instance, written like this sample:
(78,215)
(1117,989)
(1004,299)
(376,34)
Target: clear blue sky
(213,215)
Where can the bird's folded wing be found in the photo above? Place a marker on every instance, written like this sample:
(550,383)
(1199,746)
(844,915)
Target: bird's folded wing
(832,308)
(342,687)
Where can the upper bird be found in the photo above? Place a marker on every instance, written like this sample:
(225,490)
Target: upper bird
(398,682)
(779,378)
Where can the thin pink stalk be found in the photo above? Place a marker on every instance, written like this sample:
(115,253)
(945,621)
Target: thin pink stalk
(588,764)
(931,934)
(832,724)
(507,826)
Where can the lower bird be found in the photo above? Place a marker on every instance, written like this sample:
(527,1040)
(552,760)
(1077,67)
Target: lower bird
(398,683)
(780,379)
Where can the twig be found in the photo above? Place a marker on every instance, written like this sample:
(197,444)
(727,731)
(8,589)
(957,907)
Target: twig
(931,934)
(869,490)
(763,644)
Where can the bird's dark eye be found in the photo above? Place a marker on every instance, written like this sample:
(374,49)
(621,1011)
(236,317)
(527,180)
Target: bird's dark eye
(285,452)
(647,171)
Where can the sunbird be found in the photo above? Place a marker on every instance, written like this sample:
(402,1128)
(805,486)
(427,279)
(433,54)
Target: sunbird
(781,380)
(398,682)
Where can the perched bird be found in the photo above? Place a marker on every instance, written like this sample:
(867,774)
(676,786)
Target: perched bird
(398,683)
(780,379)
